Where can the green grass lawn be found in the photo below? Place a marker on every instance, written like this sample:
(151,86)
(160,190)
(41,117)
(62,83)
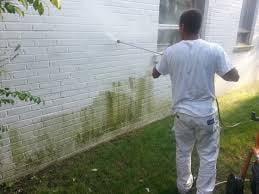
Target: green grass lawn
(144,161)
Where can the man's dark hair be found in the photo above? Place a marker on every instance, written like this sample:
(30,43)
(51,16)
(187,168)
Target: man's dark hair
(191,19)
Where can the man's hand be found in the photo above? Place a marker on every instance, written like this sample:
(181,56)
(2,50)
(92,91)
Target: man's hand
(155,73)
(232,75)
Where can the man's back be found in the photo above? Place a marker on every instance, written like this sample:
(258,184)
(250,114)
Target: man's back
(192,65)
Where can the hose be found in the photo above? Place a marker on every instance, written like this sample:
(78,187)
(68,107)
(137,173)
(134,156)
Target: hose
(224,182)
(222,124)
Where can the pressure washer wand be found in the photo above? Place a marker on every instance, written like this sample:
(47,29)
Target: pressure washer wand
(141,48)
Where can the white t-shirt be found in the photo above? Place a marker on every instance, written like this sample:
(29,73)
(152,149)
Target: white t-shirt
(192,65)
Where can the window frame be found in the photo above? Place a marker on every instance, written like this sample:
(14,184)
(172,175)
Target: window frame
(175,27)
(240,47)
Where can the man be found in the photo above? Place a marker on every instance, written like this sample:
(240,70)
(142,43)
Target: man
(192,64)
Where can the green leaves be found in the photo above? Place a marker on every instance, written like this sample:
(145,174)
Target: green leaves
(24,3)
(19,11)
(8,97)
(7,6)
(38,6)
(56,3)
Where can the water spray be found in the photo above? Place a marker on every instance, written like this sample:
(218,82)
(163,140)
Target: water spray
(138,47)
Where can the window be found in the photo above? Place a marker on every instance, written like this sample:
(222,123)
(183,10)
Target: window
(169,14)
(247,22)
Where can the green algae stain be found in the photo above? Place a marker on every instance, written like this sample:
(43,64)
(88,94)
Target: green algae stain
(140,95)
(16,147)
(50,149)
(118,109)
(43,154)
(127,102)
(109,107)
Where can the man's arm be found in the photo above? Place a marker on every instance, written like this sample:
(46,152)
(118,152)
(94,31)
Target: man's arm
(155,73)
(161,68)
(232,75)
(224,67)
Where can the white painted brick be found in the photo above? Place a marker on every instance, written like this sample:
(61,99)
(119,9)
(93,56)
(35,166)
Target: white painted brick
(40,58)
(57,50)
(3,43)
(65,42)
(12,119)
(23,59)
(28,87)
(9,35)
(38,65)
(17,111)
(55,70)
(23,43)
(20,124)
(52,96)
(12,83)
(32,19)
(36,120)
(3,114)
(49,84)
(43,27)
(71,81)
(59,77)
(38,79)
(2,26)
(15,27)
(22,74)
(11,18)
(32,35)
(45,43)
(31,128)
(30,114)
(51,110)
(6,51)
(69,62)
(34,50)
(6,76)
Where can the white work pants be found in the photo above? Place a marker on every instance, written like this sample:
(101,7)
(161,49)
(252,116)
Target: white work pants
(205,133)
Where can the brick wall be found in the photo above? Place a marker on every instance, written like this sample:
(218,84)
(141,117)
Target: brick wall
(94,89)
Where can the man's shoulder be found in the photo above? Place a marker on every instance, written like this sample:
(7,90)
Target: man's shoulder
(182,45)
(202,42)
(174,47)
(212,45)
